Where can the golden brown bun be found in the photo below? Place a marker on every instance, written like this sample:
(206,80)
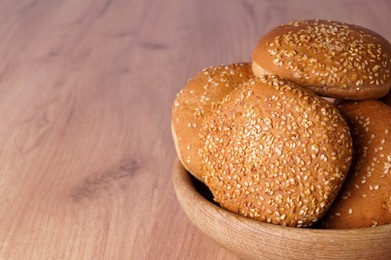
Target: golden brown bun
(365,197)
(331,58)
(197,98)
(275,152)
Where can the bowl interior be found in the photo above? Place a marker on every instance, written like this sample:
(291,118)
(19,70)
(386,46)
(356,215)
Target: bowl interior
(252,239)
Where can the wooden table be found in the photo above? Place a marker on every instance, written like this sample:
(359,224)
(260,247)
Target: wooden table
(86,89)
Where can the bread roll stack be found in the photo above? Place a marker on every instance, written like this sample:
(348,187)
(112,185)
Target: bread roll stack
(268,145)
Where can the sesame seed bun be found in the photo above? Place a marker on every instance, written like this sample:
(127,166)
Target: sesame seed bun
(191,104)
(365,197)
(275,152)
(332,59)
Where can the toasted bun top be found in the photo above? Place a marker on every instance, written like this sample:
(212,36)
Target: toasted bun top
(331,58)
(365,197)
(275,152)
(191,104)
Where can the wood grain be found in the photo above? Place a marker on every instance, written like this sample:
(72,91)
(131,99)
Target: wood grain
(86,89)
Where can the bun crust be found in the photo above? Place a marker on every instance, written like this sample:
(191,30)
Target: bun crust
(192,103)
(275,152)
(330,58)
(365,198)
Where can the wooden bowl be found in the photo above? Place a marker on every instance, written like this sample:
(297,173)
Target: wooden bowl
(251,239)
